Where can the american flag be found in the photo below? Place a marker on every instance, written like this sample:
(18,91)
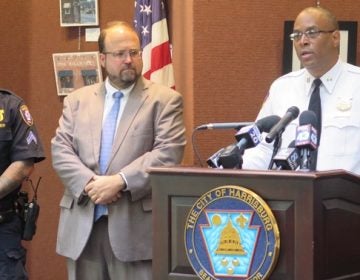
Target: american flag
(151,25)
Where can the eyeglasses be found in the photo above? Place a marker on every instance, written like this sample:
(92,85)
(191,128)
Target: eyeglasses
(122,55)
(310,34)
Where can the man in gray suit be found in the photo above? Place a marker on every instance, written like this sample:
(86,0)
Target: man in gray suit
(117,243)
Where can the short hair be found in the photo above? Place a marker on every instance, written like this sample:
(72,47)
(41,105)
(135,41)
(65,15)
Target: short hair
(110,25)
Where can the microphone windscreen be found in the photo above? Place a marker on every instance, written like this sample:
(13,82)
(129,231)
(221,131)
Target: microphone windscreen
(267,123)
(294,111)
(308,117)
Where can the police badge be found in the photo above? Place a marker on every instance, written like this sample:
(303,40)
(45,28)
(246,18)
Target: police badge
(231,233)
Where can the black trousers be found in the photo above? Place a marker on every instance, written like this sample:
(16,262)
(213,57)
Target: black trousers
(12,253)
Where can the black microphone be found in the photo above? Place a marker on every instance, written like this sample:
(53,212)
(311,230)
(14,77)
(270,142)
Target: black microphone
(230,125)
(250,136)
(291,114)
(306,138)
(213,161)
(231,157)
(288,158)
(247,137)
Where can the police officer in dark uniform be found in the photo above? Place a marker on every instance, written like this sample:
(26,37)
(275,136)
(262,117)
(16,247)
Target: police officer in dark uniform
(20,148)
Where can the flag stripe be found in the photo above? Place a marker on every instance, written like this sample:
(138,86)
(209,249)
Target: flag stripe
(158,36)
(164,74)
(146,55)
(160,57)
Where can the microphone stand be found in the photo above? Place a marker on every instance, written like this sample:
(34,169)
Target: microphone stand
(305,160)
(277,145)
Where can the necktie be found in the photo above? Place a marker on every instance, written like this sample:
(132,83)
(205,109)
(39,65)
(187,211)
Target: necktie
(107,138)
(315,106)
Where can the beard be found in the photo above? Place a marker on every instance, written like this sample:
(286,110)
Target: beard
(128,75)
(125,78)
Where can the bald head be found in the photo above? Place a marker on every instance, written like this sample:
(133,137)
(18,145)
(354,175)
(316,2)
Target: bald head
(121,26)
(327,16)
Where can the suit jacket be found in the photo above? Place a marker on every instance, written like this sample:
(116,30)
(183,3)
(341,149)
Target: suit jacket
(151,133)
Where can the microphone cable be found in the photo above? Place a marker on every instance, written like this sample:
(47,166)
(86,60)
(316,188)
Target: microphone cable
(194,146)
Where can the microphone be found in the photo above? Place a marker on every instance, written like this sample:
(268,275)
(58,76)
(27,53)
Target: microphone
(250,136)
(230,125)
(263,125)
(231,157)
(247,137)
(213,161)
(288,158)
(306,138)
(291,114)
(267,123)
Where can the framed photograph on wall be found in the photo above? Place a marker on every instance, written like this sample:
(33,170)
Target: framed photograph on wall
(79,13)
(348,35)
(75,70)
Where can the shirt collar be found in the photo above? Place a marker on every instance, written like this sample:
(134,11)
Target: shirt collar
(111,89)
(328,79)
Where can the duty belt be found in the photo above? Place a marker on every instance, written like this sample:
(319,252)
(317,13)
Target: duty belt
(6,216)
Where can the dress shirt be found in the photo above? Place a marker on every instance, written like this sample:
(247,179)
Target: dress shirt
(340,98)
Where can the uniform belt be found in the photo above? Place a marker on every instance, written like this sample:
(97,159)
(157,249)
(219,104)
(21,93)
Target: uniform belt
(6,216)
(7,204)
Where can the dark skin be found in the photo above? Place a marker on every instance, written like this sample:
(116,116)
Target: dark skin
(320,54)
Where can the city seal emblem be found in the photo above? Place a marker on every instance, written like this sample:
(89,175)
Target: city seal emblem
(231,233)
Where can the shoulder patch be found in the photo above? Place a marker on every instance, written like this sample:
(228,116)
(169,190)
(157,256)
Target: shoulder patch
(25,114)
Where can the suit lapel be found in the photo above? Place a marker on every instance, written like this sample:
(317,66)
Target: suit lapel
(136,99)
(95,116)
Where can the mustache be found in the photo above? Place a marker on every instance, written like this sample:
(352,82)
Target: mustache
(128,68)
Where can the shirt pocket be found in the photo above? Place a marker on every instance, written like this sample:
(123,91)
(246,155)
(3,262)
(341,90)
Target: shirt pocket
(341,135)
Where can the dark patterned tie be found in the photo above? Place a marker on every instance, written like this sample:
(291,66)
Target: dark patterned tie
(315,106)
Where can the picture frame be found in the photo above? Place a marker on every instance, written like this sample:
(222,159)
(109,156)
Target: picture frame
(348,45)
(75,70)
(79,13)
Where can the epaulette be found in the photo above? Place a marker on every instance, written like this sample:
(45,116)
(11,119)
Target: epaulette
(6,91)
(9,92)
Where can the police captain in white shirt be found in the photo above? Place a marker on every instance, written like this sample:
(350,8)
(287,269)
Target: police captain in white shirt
(316,39)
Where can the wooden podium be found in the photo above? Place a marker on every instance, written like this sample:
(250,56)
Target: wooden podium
(318,215)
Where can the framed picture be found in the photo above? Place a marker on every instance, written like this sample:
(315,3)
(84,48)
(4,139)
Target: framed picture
(348,35)
(79,12)
(75,70)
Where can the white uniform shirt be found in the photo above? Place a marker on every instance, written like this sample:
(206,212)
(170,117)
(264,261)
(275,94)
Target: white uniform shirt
(340,101)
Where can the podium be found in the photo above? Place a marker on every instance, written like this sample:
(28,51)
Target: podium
(318,214)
